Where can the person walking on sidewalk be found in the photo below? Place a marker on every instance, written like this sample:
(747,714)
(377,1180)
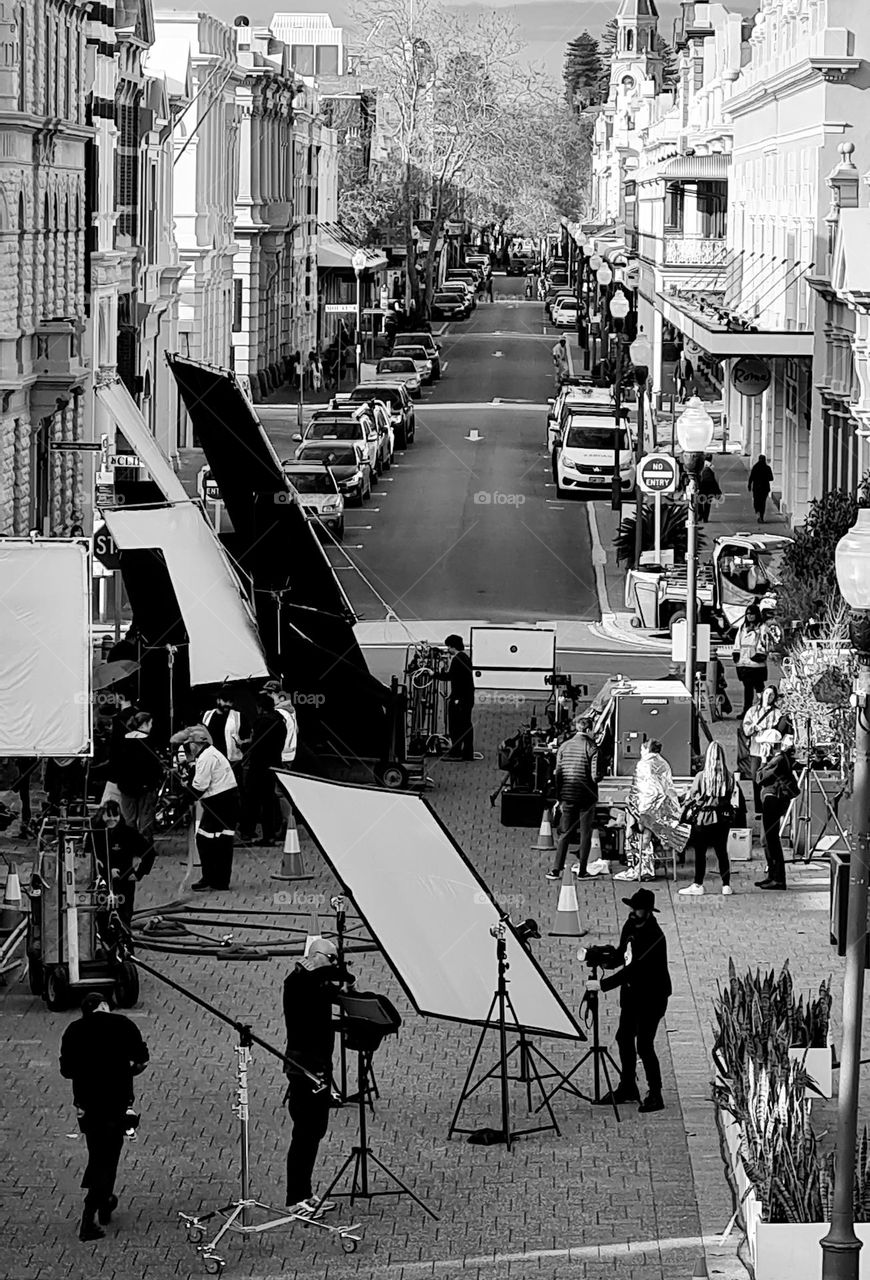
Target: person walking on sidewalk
(560,361)
(684,376)
(710,810)
(759,485)
(751,644)
(708,490)
(576,779)
(100,1053)
(778,788)
(644,984)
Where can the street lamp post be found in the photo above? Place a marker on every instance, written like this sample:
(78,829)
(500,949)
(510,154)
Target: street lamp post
(841,1246)
(619,310)
(580,241)
(694,432)
(641,355)
(359,261)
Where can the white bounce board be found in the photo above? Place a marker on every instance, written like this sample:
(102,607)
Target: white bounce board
(513,658)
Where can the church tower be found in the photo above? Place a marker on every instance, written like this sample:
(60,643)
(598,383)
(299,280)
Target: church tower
(636,53)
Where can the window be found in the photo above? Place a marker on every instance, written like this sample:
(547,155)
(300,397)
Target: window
(237,305)
(303,58)
(327,60)
(675,200)
(712,209)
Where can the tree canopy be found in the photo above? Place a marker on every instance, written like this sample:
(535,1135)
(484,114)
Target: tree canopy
(582,72)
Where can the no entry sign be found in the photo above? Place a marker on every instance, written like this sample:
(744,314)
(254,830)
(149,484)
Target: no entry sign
(657,473)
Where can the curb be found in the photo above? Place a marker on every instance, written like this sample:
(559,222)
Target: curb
(612,628)
(599,561)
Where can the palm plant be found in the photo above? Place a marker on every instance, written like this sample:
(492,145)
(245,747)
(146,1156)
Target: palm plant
(674,534)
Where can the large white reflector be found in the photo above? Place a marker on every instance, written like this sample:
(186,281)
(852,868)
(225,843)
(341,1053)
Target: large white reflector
(45,648)
(224,642)
(425,905)
(126,413)
(513,657)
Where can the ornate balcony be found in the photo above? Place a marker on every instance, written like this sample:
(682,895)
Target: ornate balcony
(694,251)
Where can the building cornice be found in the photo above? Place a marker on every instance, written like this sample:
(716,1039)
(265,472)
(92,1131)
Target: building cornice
(790,80)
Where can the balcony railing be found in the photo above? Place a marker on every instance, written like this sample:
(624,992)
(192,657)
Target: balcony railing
(694,251)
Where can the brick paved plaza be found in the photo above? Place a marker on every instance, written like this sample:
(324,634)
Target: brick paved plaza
(643,1199)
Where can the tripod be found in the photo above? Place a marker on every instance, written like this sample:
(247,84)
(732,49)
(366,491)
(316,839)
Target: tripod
(361,1154)
(371,1085)
(602,1059)
(528,1067)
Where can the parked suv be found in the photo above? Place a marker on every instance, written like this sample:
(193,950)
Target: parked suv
(426,341)
(397,402)
(353,425)
(319,495)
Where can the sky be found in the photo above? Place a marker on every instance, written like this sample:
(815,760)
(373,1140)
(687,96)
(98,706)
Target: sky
(544,26)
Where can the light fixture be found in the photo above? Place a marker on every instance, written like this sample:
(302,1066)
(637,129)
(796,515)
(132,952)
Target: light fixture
(604,275)
(619,307)
(695,428)
(852,559)
(359,260)
(595,261)
(640,350)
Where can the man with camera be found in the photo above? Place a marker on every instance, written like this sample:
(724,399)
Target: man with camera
(644,990)
(101,1053)
(310,991)
(576,780)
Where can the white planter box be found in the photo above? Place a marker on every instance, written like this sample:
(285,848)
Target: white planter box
(819,1064)
(792,1249)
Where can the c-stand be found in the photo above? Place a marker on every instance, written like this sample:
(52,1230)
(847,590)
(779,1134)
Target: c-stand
(528,1052)
(238,1214)
(371,1086)
(599,1054)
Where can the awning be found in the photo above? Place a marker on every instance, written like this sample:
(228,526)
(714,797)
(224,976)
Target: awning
(223,637)
(123,409)
(335,248)
(712,168)
(714,338)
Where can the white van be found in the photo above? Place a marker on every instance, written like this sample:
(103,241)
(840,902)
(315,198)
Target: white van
(583,457)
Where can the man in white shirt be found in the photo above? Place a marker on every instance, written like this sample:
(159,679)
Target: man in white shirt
(287,711)
(214,786)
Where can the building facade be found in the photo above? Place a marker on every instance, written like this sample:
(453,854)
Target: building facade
(316,46)
(45,136)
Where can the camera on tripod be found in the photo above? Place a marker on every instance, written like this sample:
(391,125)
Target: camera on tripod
(561,681)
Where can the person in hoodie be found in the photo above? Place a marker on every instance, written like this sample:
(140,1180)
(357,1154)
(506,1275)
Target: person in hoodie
(138,773)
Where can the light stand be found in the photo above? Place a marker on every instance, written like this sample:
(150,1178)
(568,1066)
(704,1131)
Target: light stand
(361,1154)
(602,1059)
(371,1088)
(841,1247)
(171,651)
(528,1052)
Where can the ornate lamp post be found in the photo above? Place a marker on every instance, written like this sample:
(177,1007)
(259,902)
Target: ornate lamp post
(359,261)
(618,308)
(695,433)
(581,242)
(640,352)
(841,1247)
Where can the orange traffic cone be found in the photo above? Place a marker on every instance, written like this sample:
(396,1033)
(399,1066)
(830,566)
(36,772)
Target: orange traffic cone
(10,912)
(597,865)
(292,866)
(567,920)
(545,840)
(700,1272)
(313,931)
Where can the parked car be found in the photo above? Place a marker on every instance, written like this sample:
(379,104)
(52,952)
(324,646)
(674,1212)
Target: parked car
(583,454)
(462,289)
(347,461)
(577,391)
(482,261)
(421,359)
(467,275)
(564,312)
(424,339)
(449,306)
(355,425)
(401,369)
(320,497)
(552,296)
(397,402)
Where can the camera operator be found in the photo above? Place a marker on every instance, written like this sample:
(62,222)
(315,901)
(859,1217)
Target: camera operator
(644,989)
(310,991)
(101,1053)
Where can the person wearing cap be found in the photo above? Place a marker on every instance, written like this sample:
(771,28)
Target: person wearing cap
(101,1053)
(310,990)
(214,786)
(460,701)
(644,984)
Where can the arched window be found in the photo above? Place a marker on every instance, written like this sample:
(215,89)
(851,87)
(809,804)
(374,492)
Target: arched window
(629,40)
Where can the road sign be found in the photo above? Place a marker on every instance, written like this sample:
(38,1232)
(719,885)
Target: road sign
(75,446)
(106,550)
(657,473)
(340,309)
(208,489)
(123,460)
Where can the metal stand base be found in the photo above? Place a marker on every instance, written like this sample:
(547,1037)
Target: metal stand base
(602,1061)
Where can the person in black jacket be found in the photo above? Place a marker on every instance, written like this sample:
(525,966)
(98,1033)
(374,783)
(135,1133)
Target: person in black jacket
(576,780)
(644,990)
(460,701)
(778,787)
(124,856)
(263,756)
(310,990)
(759,485)
(138,773)
(708,489)
(125,712)
(101,1053)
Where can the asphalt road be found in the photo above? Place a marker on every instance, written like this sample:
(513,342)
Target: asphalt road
(465,529)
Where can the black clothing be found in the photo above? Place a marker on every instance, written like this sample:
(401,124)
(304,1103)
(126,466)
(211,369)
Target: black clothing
(267,742)
(708,489)
(459,707)
(101,1053)
(760,481)
(120,724)
(644,989)
(576,775)
(777,775)
(105,1140)
(645,979)
(575,824)
(753,680)
(116,849)
(65,784)
(138,768)
(220,814)
(461,677)
(264,755)
(713,836)
(309,1111)
(777,784)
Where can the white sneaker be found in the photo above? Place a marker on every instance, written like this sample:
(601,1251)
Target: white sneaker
(727,891)
(692,890)
(626,875)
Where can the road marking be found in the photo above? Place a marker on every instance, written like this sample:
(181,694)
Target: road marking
(382,494)
(358,527)
(497,355)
